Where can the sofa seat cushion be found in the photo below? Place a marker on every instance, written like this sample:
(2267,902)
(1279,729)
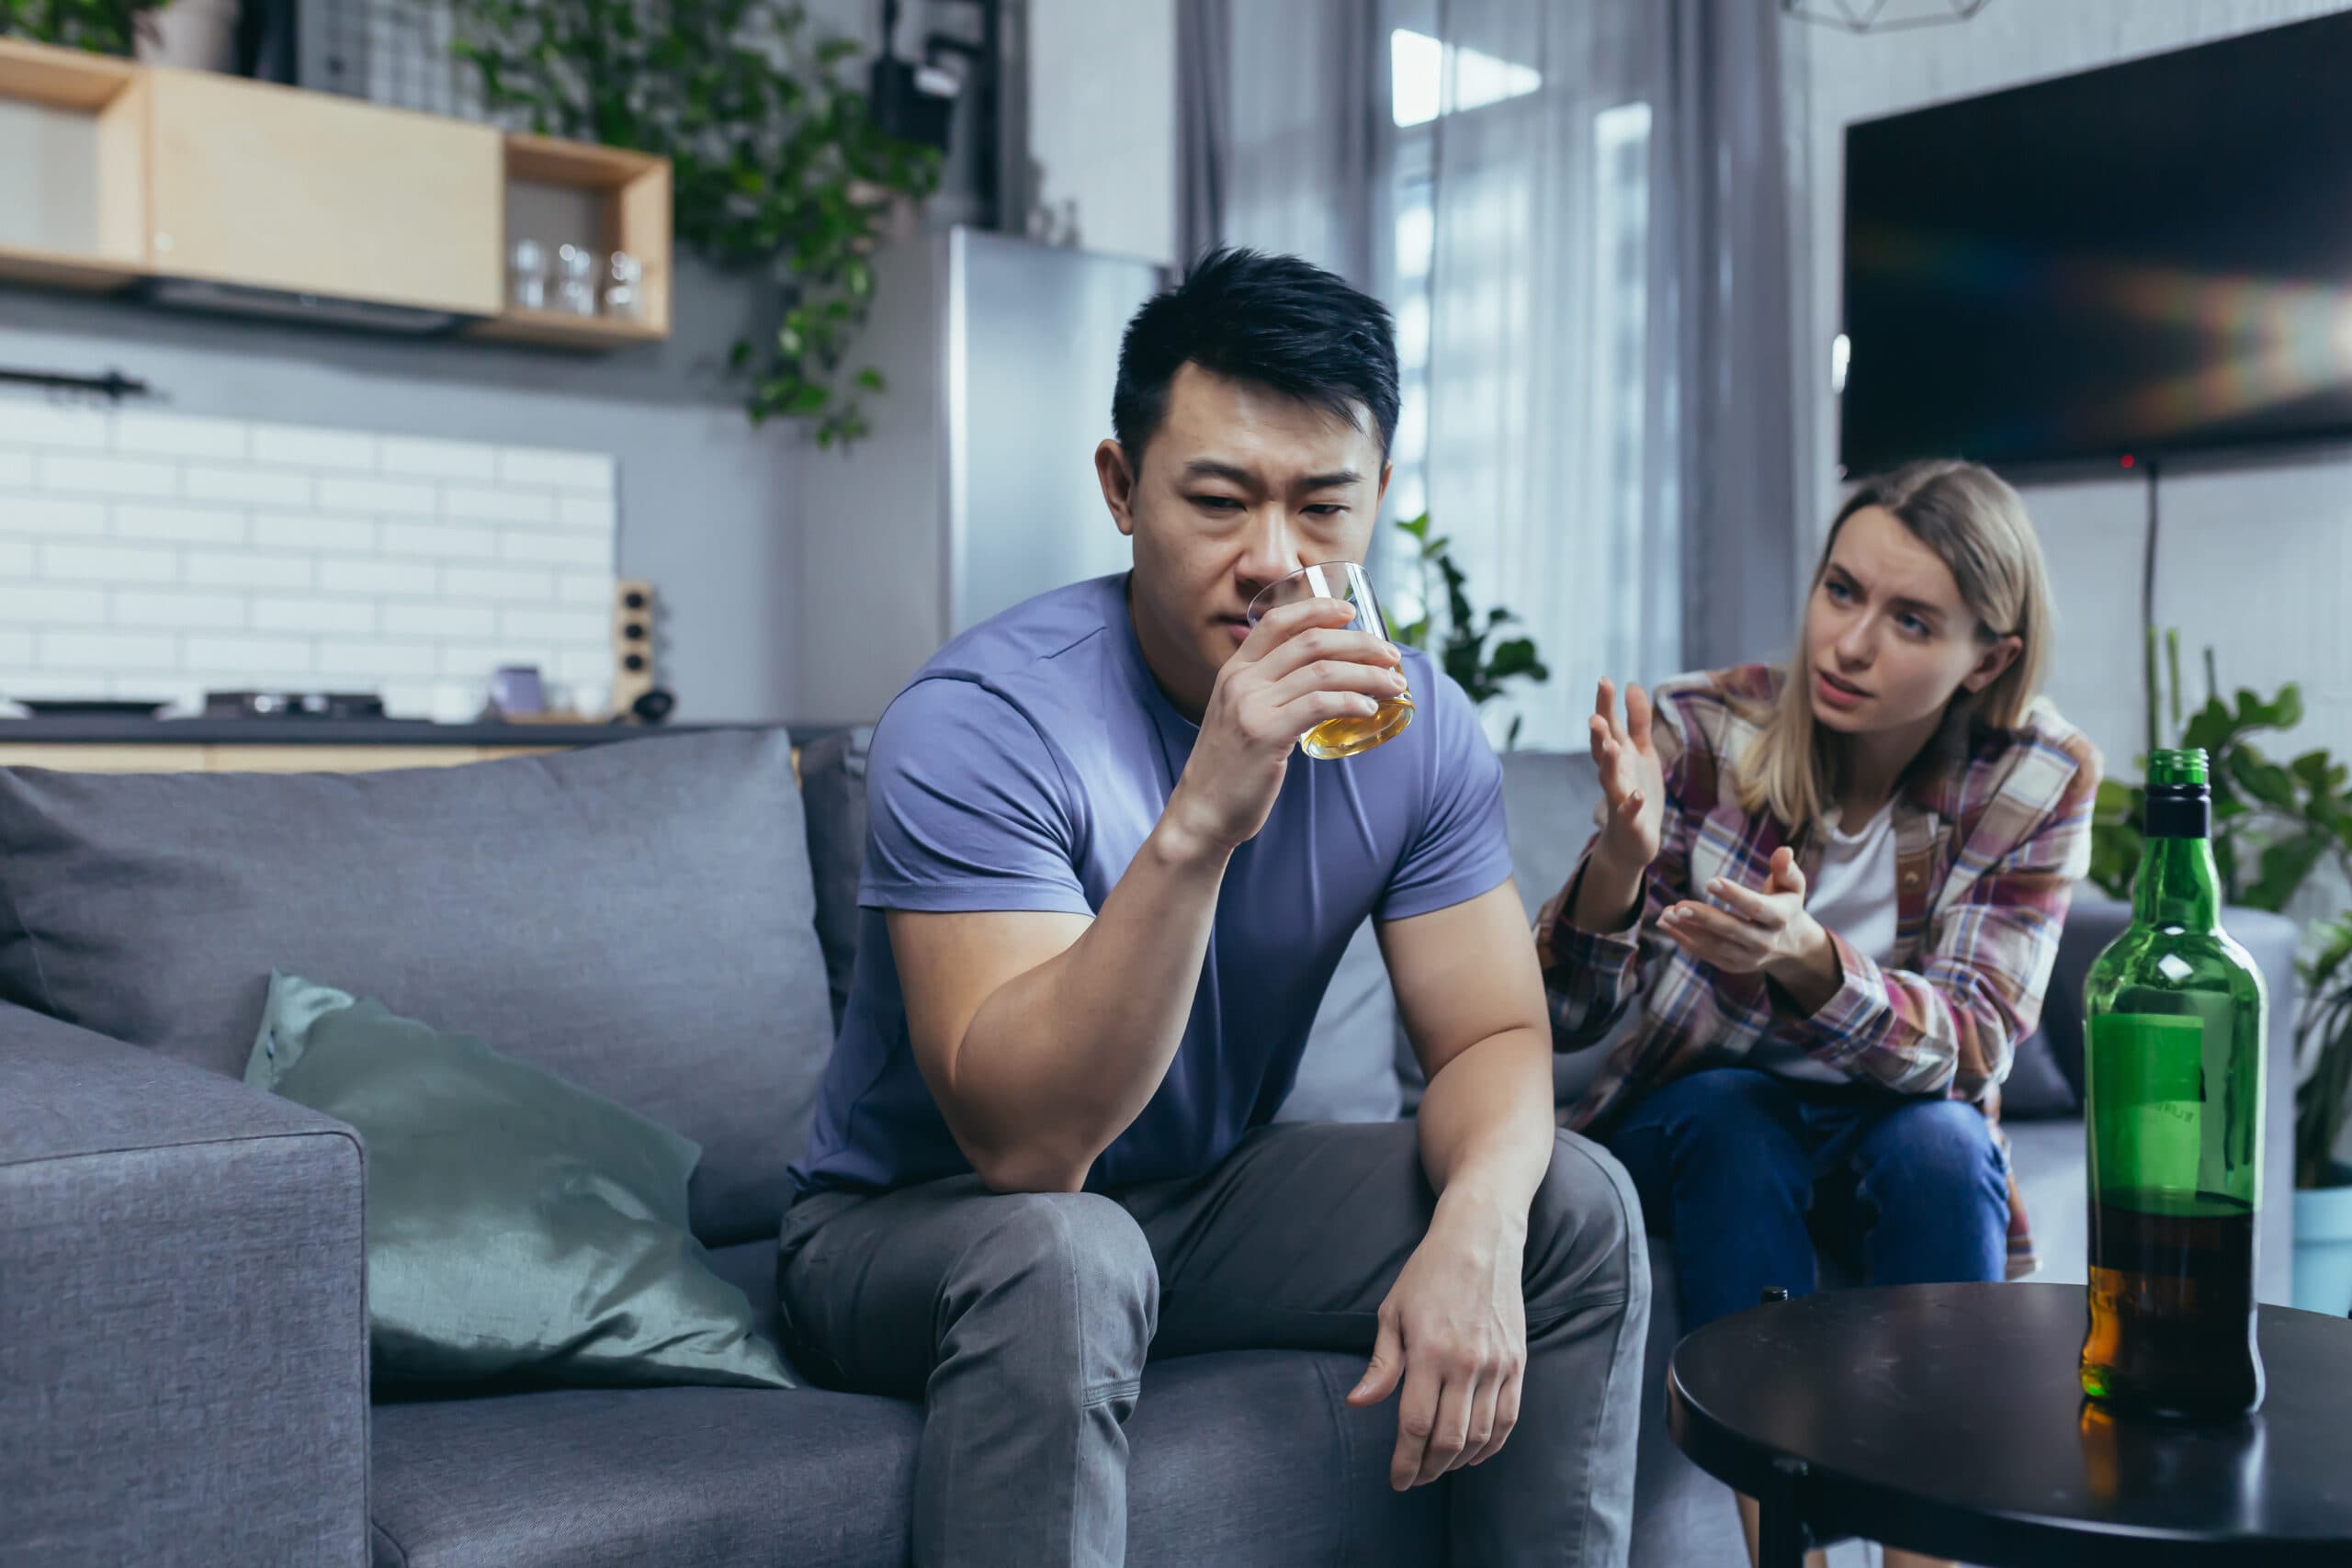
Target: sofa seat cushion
(635,918)
(688,1477)
(1237,1460)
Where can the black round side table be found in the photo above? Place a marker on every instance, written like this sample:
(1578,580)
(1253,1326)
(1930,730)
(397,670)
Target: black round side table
(1946,1419)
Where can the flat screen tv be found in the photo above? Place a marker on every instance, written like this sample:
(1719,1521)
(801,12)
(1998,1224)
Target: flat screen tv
(2150,257)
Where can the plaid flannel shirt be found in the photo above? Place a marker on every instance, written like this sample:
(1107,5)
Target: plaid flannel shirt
(1992,833)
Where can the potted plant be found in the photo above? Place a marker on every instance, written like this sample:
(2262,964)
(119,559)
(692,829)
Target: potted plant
(1480,669)
(2275,826)
(2324,1074)
(194,35)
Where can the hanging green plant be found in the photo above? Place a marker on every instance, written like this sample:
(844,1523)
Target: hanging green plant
(778,170)
(104,26)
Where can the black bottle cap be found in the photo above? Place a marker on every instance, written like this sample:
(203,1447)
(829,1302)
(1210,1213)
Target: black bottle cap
(2180,798)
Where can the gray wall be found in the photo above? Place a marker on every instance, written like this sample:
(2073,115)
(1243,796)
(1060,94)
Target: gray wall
(705,500)
(709,506)
(1101,127)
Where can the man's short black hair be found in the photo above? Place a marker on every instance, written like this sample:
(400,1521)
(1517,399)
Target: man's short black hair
(1277,320)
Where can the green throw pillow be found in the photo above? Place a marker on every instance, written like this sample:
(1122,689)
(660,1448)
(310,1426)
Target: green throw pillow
(516,1226)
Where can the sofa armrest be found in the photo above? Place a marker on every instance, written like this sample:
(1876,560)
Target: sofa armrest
(183,1315)
(2272,940)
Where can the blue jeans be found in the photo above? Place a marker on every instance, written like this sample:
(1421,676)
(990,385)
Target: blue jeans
(1734,1163)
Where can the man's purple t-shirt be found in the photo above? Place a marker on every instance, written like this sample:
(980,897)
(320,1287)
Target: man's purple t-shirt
(1022,768)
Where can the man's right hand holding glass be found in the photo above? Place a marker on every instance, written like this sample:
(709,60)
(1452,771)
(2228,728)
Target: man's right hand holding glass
(1297,668)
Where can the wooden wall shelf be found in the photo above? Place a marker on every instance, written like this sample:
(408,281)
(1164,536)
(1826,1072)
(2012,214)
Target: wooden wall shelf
(60,269)
(65,78)
(561,329)
(112,173)
(530,157)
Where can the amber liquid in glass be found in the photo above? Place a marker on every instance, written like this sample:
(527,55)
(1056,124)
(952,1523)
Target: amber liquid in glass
(1351,733)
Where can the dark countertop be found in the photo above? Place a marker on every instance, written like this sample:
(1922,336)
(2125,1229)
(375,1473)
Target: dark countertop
(342,732)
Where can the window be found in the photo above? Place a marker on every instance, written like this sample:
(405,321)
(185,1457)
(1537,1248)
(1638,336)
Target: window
(1424,73)
(1520,282)
(1617,394)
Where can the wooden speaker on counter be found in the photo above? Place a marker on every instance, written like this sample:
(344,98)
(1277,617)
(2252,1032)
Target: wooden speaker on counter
(633,671)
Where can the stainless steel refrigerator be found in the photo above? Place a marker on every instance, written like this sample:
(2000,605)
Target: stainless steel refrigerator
(977,488)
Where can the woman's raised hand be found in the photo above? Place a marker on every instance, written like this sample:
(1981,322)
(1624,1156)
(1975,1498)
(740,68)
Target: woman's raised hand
(1632,782)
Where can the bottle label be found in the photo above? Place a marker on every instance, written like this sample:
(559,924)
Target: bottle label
(2147,1103)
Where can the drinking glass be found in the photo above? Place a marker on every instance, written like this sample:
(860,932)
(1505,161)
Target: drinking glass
(575,289)
(624,285)
(1347,581)
(527,268)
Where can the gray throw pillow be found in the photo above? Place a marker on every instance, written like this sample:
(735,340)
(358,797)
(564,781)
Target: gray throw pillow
(518,1227)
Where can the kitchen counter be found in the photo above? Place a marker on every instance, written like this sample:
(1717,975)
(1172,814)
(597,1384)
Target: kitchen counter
(336,733)
(133,745)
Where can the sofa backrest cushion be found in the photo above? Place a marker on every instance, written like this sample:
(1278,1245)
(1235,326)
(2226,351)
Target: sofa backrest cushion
(634,917)
(832,794)
(1549,798)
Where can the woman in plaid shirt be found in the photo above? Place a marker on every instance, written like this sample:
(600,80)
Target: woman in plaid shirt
(1822,907)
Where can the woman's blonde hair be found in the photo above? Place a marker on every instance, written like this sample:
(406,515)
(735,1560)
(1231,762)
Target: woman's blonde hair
(1977,526)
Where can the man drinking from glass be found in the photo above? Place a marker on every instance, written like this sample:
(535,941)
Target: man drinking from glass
(1103,895)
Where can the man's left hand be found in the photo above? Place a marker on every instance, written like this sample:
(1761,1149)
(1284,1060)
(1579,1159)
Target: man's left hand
(1453,1334)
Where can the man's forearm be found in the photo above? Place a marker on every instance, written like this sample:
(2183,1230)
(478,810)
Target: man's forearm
(1058,1061)
(1487,1126)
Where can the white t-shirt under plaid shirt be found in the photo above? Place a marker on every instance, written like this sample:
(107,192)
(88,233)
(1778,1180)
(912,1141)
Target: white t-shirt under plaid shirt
(1853,894)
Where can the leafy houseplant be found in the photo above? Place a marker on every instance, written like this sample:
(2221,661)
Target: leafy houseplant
(778,169)
(1480,670)
(2274,825)
(105,27)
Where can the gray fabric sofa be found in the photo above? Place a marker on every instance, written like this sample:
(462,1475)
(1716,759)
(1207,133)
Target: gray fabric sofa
(183,1338)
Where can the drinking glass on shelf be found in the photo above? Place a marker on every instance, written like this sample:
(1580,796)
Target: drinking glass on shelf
(527,271)
(576,280)
(1350,734)
(624,285)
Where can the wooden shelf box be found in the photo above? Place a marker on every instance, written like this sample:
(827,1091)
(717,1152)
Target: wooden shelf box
(266,187)
(605,198)
(113,173)
(73,168)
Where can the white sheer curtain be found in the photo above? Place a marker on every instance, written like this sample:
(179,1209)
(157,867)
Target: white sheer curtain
(1527,160)
(1577,212)
(1301,150)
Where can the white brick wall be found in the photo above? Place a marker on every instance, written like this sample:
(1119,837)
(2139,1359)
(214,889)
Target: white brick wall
(146,554)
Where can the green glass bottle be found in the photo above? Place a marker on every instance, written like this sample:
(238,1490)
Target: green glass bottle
(2173,1107)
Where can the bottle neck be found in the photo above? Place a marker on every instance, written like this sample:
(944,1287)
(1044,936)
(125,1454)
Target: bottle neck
(2178,885)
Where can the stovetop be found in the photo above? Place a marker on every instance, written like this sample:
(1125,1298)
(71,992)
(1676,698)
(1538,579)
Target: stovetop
(293,705)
